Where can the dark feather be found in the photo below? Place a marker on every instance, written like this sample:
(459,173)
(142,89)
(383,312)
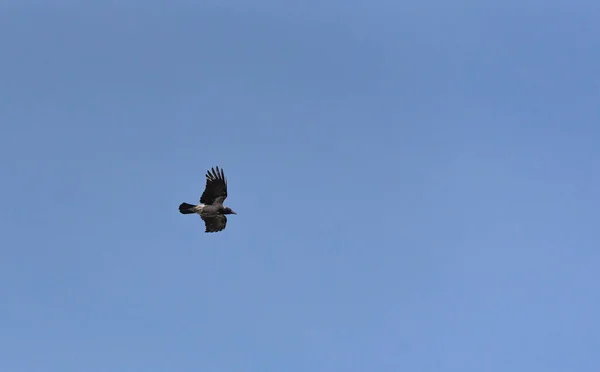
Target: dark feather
(215,191)
(185,208)
(215,224)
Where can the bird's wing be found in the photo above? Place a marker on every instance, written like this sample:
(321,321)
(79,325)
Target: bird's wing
(216,223)
(215,191)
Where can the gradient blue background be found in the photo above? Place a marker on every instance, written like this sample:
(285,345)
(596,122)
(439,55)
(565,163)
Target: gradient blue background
(416,186)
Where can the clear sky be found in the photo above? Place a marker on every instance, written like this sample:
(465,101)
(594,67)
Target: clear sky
(416,186)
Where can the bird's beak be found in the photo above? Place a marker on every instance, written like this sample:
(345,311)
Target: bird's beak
(233,212)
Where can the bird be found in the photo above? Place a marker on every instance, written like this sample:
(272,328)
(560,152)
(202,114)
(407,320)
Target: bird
(211,208)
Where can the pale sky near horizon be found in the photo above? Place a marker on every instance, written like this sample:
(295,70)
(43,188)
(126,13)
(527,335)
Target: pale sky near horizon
(416,186)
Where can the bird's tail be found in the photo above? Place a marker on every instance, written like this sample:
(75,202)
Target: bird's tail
(186,208)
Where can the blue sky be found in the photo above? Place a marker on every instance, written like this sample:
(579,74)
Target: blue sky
(416,186)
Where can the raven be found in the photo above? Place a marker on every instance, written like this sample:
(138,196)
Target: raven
(211,208)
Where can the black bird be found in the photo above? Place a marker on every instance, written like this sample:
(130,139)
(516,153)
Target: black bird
(211,208)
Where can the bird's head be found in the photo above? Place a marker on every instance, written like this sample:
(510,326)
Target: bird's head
(228,210)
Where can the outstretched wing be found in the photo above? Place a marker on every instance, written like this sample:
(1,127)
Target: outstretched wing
(216,223)
(216,187)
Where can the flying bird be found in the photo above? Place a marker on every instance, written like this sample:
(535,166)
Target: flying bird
(211,208)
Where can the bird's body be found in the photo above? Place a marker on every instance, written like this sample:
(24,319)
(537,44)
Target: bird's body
(211,208)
